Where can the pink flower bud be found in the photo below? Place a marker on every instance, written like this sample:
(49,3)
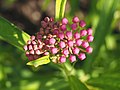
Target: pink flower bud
(29,42)
(43,24)
(46,42)
(25,48)
(74,26)
(56,31)
(82,56)
(72,58)
(47,31)
(90,38)
(69,34)
(61,35)
(32,52)
(82,23)
(38,52)
(62,44)
(54,50)
(27,53)
(34,42)
(39,42)
(83,33)
(31,57)
(62,59)
(75,20)
(89,31)
(46,53)
(35,47)
(85,44)
(78,42)
(32,37)
(64,21)
(39,36)
(89,49)
(63,27)
(70,43)
(76,35)
(46,19)
(51,19)
(30,47)
(40,46)
(76,50)
(52,41)
(65,52)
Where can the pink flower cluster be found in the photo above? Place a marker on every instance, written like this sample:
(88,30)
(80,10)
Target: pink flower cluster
(60,40)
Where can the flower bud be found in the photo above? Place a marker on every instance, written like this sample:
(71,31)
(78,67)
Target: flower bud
(62,59)
(76,35)
(62,44)
(82,23)
(89,49)
(89,31)
(25,48)
(85,44)
(75,20)
(83,33)
(64,21)
(82,56)
(78,42)
(61,35)
(70,43)
(65,52)
(74,26)
(54,50)
(52,41)
(72,58)
(63,27)
(69,34)
(32,37)
(90,38)
(76,50)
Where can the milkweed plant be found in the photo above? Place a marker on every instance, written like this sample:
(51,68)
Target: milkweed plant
(58,40)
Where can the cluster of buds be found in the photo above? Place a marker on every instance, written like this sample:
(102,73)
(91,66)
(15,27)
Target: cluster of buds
(60,40)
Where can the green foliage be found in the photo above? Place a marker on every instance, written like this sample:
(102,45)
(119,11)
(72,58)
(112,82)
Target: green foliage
(12,34)
(106,82)
(40,61)
(101,70)
(76,84)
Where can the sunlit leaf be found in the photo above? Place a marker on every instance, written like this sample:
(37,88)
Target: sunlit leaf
(12,34)
(60,8)
(40,61)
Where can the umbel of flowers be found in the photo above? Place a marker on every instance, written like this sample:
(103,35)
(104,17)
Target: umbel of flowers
(60,40)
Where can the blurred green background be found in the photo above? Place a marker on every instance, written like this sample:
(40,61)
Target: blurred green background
(101,69)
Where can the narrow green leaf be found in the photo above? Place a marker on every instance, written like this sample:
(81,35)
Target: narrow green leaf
(12,34)
(76,84)
(57,9)
(40,61)
(62,9)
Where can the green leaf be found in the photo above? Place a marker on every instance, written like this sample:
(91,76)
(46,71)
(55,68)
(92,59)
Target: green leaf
(40,61)
(106,82)
(12,34)
(76,84)
(60,9)
(57,9)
